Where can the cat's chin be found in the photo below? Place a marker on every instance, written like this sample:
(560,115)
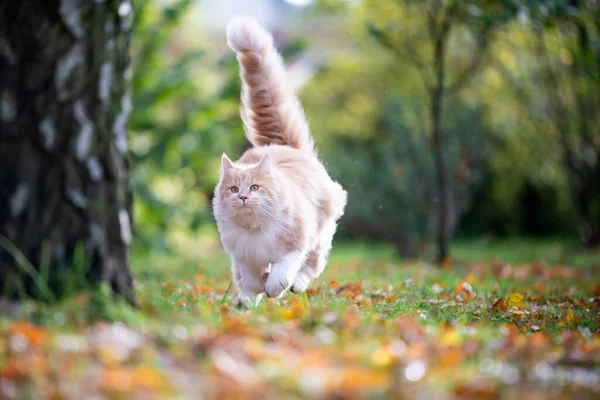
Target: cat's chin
(247,219)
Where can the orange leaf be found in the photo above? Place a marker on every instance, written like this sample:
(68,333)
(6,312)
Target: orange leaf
(477,390)
(471,279)
(465,290)
(451,357)
(357,378)
(147,378)
(116,379)
(15,368)
(34,334)
(499,305)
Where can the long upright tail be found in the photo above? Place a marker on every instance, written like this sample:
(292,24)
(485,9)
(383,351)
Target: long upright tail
(271,111)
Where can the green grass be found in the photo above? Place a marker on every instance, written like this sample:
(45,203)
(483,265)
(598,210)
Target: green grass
(523,250)
(374,325)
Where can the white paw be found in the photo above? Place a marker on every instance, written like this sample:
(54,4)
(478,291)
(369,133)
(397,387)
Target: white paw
(251,301)
(277,284)
(301,282)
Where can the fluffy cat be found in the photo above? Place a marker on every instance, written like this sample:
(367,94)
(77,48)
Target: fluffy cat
(276,207)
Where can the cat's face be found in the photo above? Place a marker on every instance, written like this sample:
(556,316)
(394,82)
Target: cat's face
(247,191)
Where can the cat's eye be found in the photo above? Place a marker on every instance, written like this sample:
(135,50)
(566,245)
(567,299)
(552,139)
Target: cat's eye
(254,188)
(235,189)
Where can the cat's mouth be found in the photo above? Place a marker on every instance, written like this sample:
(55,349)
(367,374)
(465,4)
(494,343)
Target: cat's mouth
(244,207)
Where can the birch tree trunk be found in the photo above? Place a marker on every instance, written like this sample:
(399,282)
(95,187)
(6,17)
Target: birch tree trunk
(65,199)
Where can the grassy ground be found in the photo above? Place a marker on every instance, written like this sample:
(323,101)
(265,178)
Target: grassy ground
(505,319)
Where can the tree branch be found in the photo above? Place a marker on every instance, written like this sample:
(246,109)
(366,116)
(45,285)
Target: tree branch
(410,54)
(471,68)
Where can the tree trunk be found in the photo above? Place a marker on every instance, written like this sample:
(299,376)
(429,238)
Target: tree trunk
(584,188)
(65,199)
(437,101)
(583,161)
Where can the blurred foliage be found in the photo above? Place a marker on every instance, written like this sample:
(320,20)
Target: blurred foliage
(184,118)
(525,185)
(508,132)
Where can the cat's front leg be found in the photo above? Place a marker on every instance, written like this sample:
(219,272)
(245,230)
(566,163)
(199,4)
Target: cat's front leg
(244,294)
(253,283)
(283,273)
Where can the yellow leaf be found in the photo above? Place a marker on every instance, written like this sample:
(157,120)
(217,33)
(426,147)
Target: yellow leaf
(570,318)
(147,378)
(516,300)
(381,357)
(450,337)
(295,310)
(357,378)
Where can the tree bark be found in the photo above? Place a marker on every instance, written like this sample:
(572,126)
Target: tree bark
(437,101)
(65,198)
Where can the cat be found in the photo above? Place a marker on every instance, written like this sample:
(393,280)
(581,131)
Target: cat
(276,208)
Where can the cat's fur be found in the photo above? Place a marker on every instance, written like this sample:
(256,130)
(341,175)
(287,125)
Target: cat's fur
(279,237)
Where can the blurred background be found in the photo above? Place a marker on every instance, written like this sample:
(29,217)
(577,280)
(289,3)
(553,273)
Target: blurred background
(505,93)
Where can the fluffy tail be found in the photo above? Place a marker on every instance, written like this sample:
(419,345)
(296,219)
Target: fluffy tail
(271,111)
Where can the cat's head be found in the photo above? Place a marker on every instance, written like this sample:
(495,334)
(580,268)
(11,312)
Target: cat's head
(247,192)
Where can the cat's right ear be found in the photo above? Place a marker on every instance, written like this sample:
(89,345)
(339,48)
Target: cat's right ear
(226,165)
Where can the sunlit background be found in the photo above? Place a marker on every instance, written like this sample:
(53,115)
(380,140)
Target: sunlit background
(518,128)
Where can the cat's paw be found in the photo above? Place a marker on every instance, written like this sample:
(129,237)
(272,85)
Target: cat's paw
(251,301)
(276,285)
(300,283)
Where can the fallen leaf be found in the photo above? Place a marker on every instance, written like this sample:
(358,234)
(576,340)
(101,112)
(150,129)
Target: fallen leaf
(382,357)
(450,337)
(516,300)
(465,290)
(499,305)
(571,320)
(35,335)
(477,390)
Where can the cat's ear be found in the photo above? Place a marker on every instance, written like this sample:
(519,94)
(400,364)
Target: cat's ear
(264,165)
(226,165)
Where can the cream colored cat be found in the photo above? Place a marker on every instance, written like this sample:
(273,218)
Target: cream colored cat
(276,207)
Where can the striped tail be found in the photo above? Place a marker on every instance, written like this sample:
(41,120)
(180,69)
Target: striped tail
(271,112)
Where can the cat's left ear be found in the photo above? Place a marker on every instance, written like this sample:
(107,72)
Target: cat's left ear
(264,165)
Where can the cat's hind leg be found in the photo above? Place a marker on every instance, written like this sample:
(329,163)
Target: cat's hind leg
(316,260)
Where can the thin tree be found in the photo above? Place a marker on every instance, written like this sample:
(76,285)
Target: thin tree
(65,201)
(441,19)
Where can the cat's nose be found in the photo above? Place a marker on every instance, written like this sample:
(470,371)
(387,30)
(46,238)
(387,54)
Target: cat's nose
(243,198)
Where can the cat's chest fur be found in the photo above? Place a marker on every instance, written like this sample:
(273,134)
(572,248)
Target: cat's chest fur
(254,248)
